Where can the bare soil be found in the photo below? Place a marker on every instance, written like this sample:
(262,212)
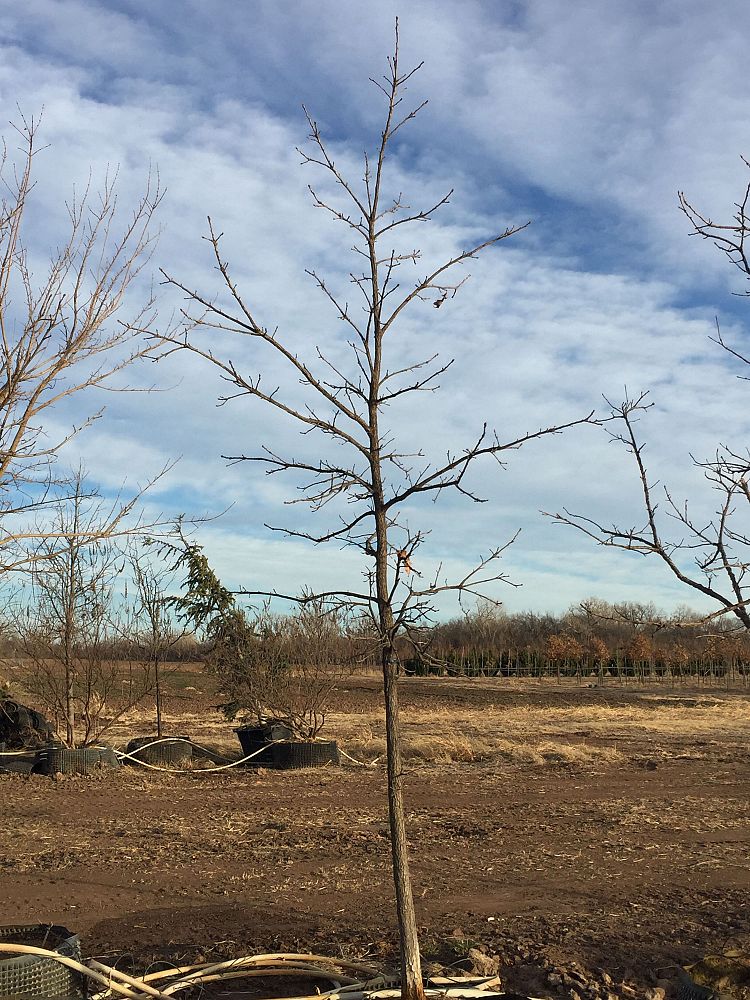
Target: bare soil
(598,833)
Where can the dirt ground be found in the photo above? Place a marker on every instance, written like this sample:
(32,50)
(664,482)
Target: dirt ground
(581,835)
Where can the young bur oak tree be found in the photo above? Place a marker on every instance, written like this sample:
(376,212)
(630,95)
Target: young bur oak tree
(346,402)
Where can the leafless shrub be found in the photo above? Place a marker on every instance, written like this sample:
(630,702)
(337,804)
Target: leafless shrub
(67,622)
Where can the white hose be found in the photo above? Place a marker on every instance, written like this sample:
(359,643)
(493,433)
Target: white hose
(140,988)
(202,770)
(362,763)
(122,755)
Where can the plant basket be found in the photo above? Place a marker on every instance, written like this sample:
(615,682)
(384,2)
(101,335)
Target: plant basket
(259,740)
(31,977)
(86,760)
(688,990)
(296,754)
(17,762)
(164,751)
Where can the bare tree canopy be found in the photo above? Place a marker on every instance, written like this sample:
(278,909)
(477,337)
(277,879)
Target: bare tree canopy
(70,621)
(710,554)
(354,468)
(61,333)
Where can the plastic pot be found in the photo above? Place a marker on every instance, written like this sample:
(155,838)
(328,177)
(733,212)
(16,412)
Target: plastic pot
(305,754)
(164,751)
(86,760)
(260,738)
(31,977)
(17,763)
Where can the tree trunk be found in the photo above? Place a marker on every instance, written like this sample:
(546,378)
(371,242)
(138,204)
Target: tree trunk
(411,966)
(411,969)
(69,711)
(157,681)
(69,595)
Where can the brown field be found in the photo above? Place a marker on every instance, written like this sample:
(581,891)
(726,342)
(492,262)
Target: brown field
(558,827)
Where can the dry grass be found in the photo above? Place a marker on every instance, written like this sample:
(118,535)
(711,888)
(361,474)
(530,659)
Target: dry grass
(566,733)
(443,739)
(651,713)
(572,734)
(446,748)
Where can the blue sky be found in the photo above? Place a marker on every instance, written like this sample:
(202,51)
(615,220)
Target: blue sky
(586,118)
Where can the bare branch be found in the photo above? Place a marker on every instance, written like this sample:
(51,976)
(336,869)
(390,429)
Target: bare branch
(429,282)
(709,543)
(451,474)
(730,237)
(62,335)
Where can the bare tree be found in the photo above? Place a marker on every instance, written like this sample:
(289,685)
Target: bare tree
(154,626)
(709,555)
(345,408)
(59,335)
(69,622)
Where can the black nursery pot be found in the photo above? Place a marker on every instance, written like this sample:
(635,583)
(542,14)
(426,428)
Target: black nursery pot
(33,976)
(163,751)
(259,740)
(86,760)
(17,763)
(304,754)
(273,745)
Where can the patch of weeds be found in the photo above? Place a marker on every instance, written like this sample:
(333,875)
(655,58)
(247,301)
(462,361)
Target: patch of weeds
(456,949)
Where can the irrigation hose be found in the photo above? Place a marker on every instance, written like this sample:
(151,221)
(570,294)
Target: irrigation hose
(179,739)
(376,987)
(211,770)
(115,974)
(288,959)
(121,755)
(184,984)
(208,975)
(361,763)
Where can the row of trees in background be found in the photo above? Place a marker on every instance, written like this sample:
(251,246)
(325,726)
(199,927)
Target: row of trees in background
(631,641)
(92,652)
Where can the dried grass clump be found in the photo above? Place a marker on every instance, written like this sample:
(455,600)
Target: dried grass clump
(476,747)
(523,753)
(446,749)
(578,754)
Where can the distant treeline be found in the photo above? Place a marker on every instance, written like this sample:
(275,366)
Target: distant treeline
(633,641)
(185,649)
